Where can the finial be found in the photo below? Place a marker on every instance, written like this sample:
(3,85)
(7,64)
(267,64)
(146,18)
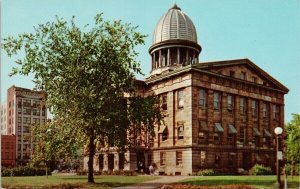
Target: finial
(175,6)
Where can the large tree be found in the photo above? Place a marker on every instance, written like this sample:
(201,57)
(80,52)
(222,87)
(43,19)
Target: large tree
(293,142)
(86,73)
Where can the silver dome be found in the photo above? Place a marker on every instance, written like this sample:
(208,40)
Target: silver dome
(174,25)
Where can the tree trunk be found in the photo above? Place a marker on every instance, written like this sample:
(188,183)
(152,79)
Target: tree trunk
(91,157)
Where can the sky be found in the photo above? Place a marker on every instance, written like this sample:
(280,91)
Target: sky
(265,31)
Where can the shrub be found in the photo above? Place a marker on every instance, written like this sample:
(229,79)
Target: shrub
(206,172)
(260,170)
(24,171)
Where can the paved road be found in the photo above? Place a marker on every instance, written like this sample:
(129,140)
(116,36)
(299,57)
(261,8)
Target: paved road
(154,184)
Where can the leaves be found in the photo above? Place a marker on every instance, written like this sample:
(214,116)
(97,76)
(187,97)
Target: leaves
(86,73)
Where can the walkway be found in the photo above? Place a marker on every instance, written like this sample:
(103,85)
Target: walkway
(157,183)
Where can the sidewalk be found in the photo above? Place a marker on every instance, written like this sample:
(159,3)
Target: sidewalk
(157,183)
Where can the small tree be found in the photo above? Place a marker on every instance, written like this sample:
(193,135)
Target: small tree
(293,142)
(85,74)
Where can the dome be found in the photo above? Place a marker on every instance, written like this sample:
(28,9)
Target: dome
(174,25)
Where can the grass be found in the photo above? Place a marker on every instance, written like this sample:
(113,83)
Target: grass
(58,181)
(256,181)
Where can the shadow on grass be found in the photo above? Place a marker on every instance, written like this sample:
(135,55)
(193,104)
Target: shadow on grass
(213,182)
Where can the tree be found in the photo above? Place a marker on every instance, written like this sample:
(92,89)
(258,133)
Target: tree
(293,142)
(85,74)
(50,145)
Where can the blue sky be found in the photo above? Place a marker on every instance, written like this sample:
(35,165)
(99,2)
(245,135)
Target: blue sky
(266,32)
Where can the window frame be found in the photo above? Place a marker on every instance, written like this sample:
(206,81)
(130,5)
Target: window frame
(216,101)
(163,158)
(180,98)
(202,98)
(178,158)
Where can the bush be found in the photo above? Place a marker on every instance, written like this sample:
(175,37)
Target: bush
(24,171)
(260,170)
(207,172)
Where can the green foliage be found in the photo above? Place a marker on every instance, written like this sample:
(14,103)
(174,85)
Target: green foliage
(293,143)
(207,172)
(260,170)
(86,73)
(24,171)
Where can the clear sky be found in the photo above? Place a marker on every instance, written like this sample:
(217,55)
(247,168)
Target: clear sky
(264,31)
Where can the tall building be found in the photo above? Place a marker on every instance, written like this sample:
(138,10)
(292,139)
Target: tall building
(217,115)
(3,119)
(24,108)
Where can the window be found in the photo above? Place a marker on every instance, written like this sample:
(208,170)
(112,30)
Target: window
(180,99)
(43,112)
(202,98)
(229,101)
(275,112)
(162,158)
(232,73)
(163,131)
(264,110)
(178,158)
(203,132)
(231,134)
(254,79)
(243,75)
(231,160)
(242,135)
(217,159)
(180,131)
(164,105)
(216,101)
(218,133)
(203,158)
(254,108)
(242,106)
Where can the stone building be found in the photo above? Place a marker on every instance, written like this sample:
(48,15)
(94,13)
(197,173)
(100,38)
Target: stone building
(217,115)
(24,108)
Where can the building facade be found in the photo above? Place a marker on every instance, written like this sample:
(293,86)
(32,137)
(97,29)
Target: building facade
(24,108)
(3,119)
(8,150)
(217,115)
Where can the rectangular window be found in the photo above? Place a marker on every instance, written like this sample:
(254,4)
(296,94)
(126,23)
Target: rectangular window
(164,104)
(254,108)
(202,98)
(180,99)
(203,158)
(254,79)
(243,75)
(242,106)
(180,132)
(264,110)
(274,111)
(229,101)
(178,158)
(162,158)
(242,135)
(216,101)
(232,73)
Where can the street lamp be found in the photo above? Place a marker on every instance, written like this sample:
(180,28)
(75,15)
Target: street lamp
(278,131)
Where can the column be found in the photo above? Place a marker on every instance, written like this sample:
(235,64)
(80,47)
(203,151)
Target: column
(178,56)
(168,57)
(159,59)
(155,66)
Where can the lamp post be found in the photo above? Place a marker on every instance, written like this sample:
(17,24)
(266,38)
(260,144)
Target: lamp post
(278,131)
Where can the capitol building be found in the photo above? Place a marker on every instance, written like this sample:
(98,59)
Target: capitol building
(216,115)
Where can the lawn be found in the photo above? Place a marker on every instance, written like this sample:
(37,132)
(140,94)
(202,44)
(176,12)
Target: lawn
(256,181)
(58,181)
